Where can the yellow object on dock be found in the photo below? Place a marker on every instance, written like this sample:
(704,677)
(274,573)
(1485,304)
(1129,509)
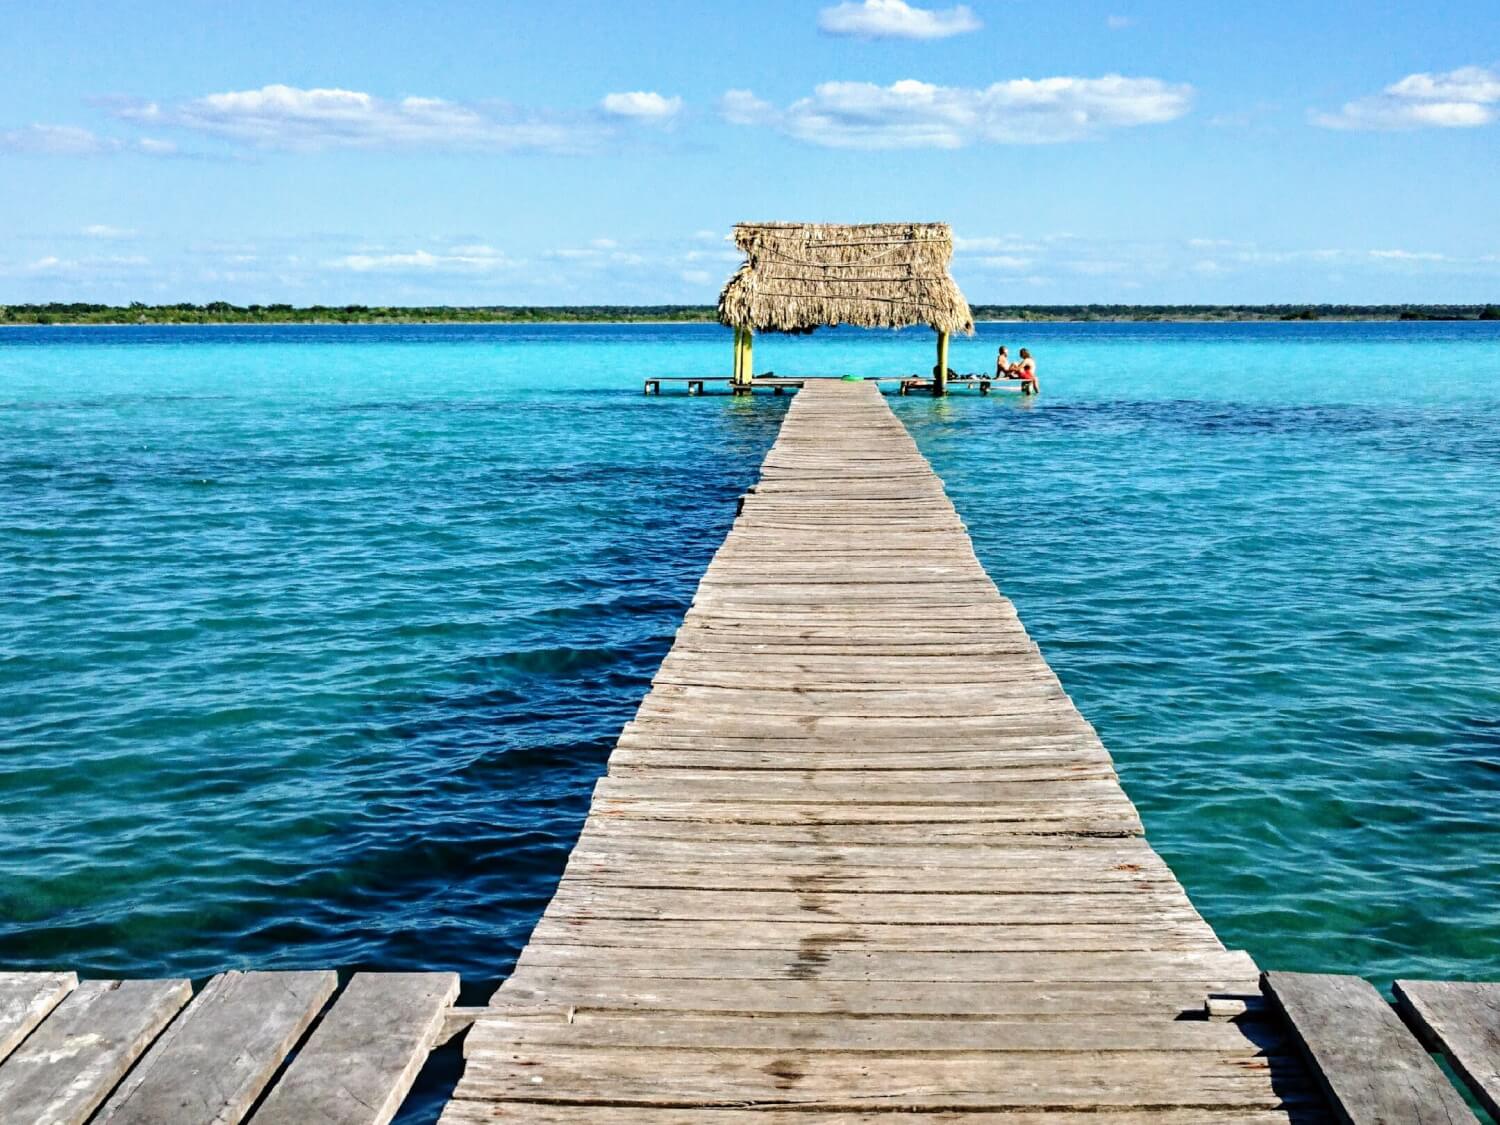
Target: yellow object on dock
(858,853)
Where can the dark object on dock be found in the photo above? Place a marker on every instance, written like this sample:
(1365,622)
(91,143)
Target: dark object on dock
(1372,1068)
(149,1052)
(799,277)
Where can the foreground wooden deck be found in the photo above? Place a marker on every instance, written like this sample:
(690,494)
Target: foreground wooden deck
(858,854)
(150,1052)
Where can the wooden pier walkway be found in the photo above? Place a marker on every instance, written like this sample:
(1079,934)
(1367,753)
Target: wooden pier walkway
(858,854)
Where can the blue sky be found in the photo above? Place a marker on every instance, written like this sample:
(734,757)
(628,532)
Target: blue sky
(495,152)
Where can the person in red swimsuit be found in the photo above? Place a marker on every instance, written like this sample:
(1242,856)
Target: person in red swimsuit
(1026,372)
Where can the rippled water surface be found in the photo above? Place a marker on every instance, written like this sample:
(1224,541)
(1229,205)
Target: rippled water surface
(314,640)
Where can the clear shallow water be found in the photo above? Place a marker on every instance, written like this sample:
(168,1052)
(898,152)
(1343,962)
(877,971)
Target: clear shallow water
(314,640)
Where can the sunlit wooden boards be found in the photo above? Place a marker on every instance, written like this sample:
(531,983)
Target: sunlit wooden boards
(216,1058)
(362,1059)
(858,854)
(64,1069)
(1373,1069)
(150,1052)
(25,1000)
(1463,1021)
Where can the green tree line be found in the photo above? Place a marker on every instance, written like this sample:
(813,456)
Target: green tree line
(222,312)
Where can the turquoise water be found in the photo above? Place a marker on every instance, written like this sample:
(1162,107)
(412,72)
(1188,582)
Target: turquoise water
(314,640)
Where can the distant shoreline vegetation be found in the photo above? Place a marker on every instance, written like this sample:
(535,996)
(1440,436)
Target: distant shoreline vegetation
(221,312)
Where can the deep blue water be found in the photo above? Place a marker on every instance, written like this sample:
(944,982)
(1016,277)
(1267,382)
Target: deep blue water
(314,640)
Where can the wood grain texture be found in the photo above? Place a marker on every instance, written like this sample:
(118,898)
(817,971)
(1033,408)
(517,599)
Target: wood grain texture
(858,854)
(1463,1021)
(219,1055)
(68,1066)
(25,1000)
(362,1058)
(1372,1068)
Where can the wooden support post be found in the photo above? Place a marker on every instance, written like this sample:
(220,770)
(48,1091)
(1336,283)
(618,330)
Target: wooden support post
(940,380)
(749,357)
(739,358)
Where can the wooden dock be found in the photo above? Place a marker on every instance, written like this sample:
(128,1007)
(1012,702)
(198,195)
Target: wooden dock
(858,853)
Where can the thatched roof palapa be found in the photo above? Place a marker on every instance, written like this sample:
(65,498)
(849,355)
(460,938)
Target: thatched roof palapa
(802,276)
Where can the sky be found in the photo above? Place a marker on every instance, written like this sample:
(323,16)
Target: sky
(496,152)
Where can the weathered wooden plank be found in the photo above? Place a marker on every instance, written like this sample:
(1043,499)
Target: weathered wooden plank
(524,1027)
(62,1071)
(891,767)
(1463,1020)
(637,872)
(360,1061)
(1011,862)
(905,910)
(578,988)
(1028,813)
(1371,1067)
(702,768)
(217,1057)
(820,831)
(820,960)
(462,1111)
(25,1000)
(894,1082)
(874,790)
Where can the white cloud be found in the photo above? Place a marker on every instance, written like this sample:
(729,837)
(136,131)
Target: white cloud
(1466,84)
(912,114)
(741,107)
(1118,23)
(641,105)
(51,265)
(896,19)
(1005,262)
(599,253)
(724,256)
(103,230)
(286,117)
(1408,256)
(992,244)
(1458,99)
(71,140)
(457,259)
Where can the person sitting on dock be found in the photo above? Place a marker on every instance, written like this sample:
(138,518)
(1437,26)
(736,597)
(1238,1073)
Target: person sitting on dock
(1002,363)
(1026,372)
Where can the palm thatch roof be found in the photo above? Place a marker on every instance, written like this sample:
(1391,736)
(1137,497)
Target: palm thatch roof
(802,276)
